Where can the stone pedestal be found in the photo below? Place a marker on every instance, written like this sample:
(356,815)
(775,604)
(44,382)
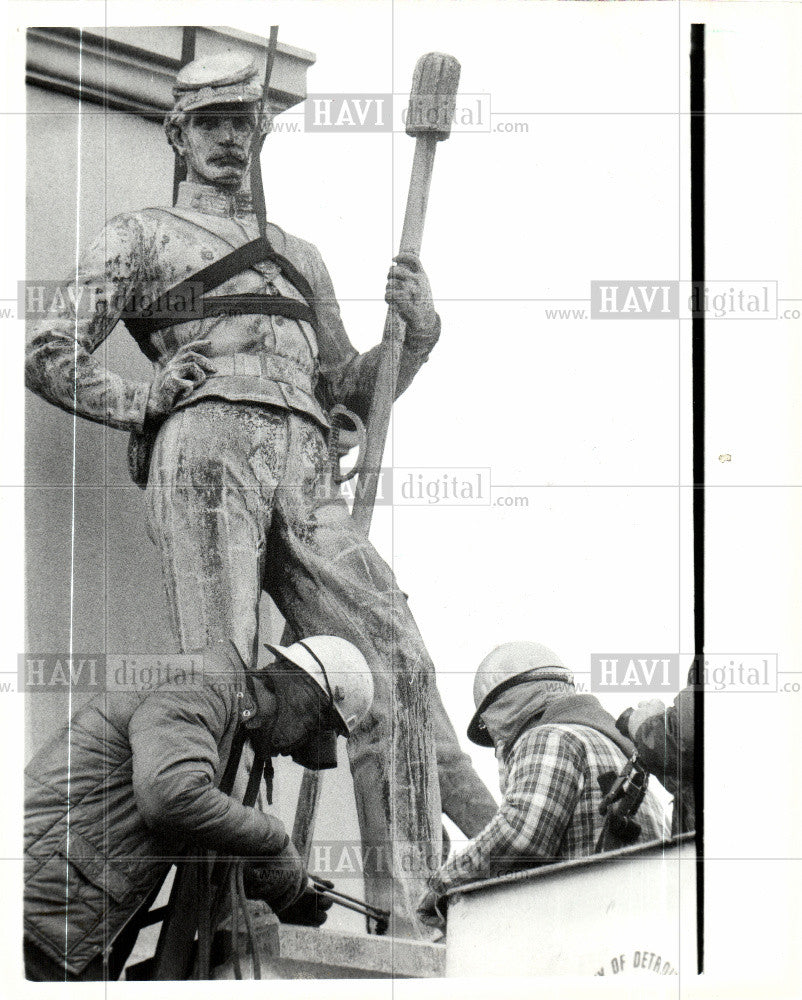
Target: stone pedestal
(289,952)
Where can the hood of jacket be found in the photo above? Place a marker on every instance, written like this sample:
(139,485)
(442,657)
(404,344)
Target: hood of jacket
(568,709)
(585,710)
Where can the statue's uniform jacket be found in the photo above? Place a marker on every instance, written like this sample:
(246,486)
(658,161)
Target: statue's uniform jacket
(128,785)
(240,495)
(141,254)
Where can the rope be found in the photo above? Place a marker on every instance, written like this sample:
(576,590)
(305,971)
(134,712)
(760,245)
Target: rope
(239,904)
(232,879)
(204,922)
(257,964)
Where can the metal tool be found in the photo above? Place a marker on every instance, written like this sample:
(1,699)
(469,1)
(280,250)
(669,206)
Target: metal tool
(326,890)
(623,795)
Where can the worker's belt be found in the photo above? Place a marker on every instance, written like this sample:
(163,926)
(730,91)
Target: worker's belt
(189,301)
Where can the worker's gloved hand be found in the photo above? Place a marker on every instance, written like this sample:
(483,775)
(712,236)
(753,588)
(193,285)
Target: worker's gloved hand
(644,711)
(432,909)
(310,909)
(279,880)
(183,373)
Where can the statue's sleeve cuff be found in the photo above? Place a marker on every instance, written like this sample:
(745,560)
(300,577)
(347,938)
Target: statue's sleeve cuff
(421,342)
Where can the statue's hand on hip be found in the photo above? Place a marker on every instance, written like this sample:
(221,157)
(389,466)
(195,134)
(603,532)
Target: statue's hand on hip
(183,373)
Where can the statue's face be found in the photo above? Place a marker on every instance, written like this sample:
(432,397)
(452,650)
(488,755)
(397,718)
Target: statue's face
(216,144)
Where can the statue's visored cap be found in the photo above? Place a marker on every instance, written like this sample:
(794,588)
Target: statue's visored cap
(226,78)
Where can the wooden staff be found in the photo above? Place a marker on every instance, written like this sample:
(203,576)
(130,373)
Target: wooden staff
(432,104)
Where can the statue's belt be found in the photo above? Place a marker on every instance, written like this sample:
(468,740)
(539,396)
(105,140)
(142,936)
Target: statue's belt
(263,365)
(260,378)
(188,300)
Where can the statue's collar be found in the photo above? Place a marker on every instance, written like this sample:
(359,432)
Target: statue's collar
(212,201)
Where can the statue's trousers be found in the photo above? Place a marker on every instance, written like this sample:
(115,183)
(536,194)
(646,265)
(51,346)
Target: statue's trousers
(240,499)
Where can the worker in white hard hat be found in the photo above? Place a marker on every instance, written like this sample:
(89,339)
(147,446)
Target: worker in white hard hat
(339,671)
(149,783)
(552,745)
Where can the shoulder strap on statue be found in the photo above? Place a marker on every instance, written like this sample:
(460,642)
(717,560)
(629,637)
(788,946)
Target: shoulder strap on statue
(158,314)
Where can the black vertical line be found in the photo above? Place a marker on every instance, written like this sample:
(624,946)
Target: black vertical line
(187,55)
(697,119)
(188,45)
(106,715)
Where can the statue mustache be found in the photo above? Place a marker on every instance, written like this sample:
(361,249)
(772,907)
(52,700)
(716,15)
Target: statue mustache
(227,155)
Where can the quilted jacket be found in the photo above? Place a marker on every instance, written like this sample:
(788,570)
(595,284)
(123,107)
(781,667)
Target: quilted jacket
(127,788)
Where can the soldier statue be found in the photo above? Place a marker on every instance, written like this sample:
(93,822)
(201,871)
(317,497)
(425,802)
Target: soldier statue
(239,490)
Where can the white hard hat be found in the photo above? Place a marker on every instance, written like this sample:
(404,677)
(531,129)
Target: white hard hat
(339,669)
(509,664)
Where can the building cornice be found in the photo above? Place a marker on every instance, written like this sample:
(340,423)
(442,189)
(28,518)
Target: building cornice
(107,68)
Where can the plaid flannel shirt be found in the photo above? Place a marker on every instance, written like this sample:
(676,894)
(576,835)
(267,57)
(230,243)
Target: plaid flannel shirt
(551,804)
